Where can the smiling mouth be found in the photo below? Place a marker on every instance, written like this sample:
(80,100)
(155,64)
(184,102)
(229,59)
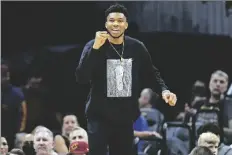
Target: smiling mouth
(115,31)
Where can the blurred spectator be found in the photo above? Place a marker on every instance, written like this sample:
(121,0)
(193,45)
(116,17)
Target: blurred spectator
(213,128)
(78,134)
(14,111)
(4,146)
(78,148)
(153,117)
(210,141)
(61,141)
(43,141)
(218,85)
(19,139)
(28,148)
(201,150)
(17,152)
(40,111)
(140,125)
(198,94)
(28,144)
(147,104)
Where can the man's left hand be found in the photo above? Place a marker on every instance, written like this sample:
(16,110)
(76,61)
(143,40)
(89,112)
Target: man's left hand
(169,97)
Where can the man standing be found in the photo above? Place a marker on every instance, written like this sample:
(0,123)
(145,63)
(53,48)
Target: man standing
(13,107)
(115,65)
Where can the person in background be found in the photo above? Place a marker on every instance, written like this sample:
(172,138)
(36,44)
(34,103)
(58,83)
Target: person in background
(19,139)
(78,138)
(17,152)
(4,146)
(43,142)
(213,128)
(198,94)
(78,134)
(140,126)
(201,150)
(28,145)
(148,107)
(39,100)
(61,141)
(210,141)
(13,107)
(218,85)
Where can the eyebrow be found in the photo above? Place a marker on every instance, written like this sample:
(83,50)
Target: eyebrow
(116,18)
(211,142)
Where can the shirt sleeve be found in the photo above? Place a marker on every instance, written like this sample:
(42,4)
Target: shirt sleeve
(87,61)
(149,69)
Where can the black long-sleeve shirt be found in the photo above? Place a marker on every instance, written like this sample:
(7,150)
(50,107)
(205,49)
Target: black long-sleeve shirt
(116,85)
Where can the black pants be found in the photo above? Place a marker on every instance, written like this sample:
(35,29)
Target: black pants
(119,138)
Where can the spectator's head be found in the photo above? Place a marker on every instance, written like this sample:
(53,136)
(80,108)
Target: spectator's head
(19,139)
(78,134)
(28,148)
(5,73)
(116,20)
(218,83)
(199,89)
(43,141)
(210,141)
(147,96)
(209,127)
(17,152)
(36,128)
(79,148)
(201,150)
(4,146)
(69,123)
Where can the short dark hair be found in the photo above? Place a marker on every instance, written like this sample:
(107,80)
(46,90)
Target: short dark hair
(17,151)
(201,150)
(117,8)
(209,127)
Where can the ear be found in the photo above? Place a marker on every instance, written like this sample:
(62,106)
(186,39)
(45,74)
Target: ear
(126,25)
(106,25)
(53,144)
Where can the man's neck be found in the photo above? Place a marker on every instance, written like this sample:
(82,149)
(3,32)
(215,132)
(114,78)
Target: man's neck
(214,98)
(116,40)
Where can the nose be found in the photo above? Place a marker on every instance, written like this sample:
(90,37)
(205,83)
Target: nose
(115,23)
(214,150)
(70,125)
(41,142)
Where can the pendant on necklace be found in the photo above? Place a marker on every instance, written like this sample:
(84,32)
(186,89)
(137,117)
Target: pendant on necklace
(121,59)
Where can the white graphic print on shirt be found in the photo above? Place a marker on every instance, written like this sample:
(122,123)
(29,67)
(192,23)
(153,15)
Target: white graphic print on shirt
(119,78)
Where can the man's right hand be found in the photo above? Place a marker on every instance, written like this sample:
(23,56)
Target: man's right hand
(189,110)
(100,39)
